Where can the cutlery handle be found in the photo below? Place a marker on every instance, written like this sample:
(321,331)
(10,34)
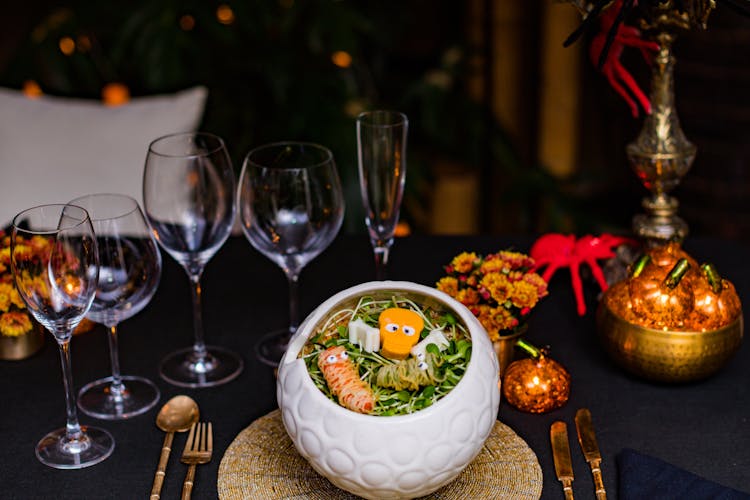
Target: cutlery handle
(162,468)
(596,471)
(187,486)
(568,489)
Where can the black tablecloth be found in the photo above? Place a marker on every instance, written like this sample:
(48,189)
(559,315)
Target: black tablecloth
(702,427)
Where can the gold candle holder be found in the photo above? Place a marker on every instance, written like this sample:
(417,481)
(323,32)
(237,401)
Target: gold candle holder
(661,154)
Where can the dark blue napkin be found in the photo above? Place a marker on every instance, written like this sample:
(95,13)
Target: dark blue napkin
(643,477)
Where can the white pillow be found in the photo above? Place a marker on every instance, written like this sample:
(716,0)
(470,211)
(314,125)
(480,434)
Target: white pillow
(55,149)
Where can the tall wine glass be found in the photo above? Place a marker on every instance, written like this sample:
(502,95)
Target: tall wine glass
(291,207)
(129,272)
(188,196)
(54,264)
(381,155)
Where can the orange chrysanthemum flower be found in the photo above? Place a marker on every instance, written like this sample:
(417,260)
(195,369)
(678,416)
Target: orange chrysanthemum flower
(468,297)
(448,285)
(464,262)
(524,295)
(5,296)
(492,266)
(538,282)
(500,289)
(14,323)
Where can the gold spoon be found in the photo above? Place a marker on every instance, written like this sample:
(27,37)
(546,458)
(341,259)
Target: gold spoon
(177,415)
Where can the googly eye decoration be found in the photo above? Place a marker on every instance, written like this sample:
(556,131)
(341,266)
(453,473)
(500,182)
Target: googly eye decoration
(399,331)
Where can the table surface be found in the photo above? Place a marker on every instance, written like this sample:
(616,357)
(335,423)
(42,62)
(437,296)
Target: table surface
(701,427)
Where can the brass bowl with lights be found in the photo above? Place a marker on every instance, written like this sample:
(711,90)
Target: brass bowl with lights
(667,355)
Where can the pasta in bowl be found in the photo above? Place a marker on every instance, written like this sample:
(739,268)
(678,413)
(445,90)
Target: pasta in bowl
(389,389)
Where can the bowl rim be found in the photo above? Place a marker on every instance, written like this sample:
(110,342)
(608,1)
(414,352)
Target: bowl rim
(291,361)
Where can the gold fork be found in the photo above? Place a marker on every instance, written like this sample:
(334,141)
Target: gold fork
(198,449)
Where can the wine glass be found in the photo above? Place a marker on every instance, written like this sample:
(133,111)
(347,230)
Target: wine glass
(55,268)
(291,207)
(129,272)
(188,196)
(381,156)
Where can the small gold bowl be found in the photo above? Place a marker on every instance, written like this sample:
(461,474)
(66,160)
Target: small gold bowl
(666,355)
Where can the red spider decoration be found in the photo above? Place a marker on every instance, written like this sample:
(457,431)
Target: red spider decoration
(610,66)
(558,250)
(607,46)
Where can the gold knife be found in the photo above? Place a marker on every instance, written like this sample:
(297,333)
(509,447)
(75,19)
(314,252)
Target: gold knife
(558,434)
(590,449)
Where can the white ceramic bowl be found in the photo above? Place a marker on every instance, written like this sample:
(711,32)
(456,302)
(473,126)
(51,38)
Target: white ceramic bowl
(403,456)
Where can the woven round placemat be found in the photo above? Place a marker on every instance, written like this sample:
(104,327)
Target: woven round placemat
(263,463)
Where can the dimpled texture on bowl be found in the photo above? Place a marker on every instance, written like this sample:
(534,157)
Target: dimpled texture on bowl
(402,456)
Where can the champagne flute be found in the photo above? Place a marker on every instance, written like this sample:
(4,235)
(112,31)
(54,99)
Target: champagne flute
(291,207)
(129,272)
(55,271)
(381,156)
(188,196)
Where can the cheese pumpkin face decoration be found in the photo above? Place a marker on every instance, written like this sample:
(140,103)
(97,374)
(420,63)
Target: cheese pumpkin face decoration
(399,331)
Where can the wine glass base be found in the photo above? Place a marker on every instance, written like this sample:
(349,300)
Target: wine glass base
(93,446)
(184,368)
(97,399)
(271,347)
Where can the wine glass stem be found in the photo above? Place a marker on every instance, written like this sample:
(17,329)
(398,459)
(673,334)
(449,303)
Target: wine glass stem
(199,347)
(381,261)
(293,278)
(72,428)
(116,387)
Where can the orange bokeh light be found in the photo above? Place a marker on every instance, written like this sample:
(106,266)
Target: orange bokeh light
(402,229)
(341,58)
(31,89)
(67,45)
(225,14)
(187,22)
(84,43)
(115,94)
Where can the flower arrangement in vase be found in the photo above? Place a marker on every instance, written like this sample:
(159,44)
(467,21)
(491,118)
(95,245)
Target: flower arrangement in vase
(20,335)
(500,289)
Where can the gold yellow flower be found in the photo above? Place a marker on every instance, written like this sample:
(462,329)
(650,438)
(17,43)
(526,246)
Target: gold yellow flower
(468,296)
(492,266)
(514,260)
(5,299)
(524,295)
(498,285)
(503,318)
(448,285)
(4,260)
(40,244)
(5,257)
(10,296)
(538,282)
(14,324)
(464,262)
(483,313)
(16,299)
(21,252)
(495,320)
